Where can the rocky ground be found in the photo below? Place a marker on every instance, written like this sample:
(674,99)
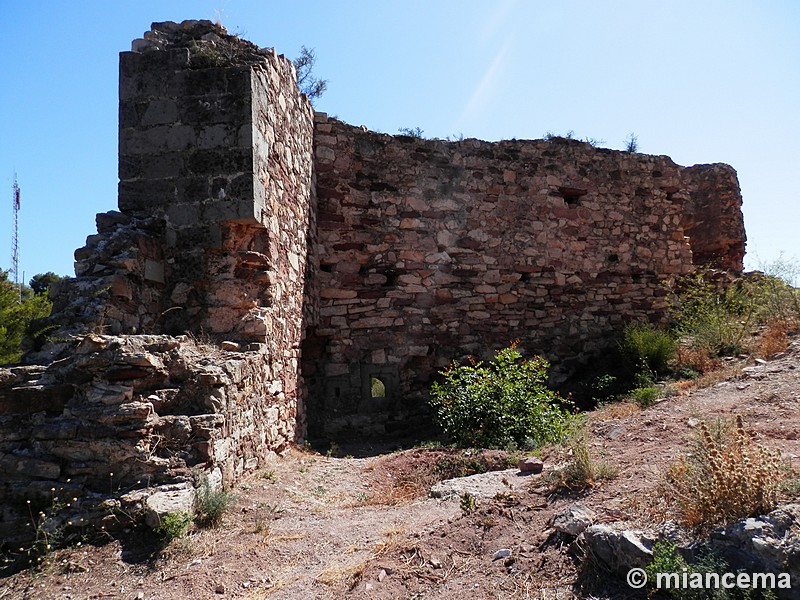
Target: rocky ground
(315,526)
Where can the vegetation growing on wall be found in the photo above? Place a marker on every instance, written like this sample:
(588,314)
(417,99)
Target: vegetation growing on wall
(306,80)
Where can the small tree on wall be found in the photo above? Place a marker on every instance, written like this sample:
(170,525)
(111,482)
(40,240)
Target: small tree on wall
(308,84)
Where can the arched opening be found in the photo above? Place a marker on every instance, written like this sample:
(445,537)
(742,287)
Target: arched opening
(377,388)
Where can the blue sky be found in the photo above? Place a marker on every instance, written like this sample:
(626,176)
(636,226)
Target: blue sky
(699,80)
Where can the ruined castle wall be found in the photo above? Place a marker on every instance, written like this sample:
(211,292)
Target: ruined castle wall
(217,140)
(212,238)
(215,143)
(215,199)
(267,232)
(282,141)
(122,417)
(713,216)
(431,250)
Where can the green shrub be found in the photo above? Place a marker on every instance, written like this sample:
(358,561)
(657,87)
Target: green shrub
(19,309)
(604,388)
(774,299)
(667,560)
(714,319)
(414,132)
(173,525)
(503,403)
(645,397)
(468,503)
(644,347)
(212,504)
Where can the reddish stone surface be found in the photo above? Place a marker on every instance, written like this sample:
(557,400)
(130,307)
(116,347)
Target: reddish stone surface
(530,464)
(462,247)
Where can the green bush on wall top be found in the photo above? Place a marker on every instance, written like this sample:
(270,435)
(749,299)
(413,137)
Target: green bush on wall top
(502,404)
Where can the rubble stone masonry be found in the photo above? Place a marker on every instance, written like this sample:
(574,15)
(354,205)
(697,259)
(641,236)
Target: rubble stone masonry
(431,250)
(272,272)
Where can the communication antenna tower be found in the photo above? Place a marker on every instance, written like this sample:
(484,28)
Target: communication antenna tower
(15,234)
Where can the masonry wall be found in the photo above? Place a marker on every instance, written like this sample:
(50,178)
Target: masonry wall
(211,238)
(215,138)
(432,250)
(328,271)
(712,217)
(126,418)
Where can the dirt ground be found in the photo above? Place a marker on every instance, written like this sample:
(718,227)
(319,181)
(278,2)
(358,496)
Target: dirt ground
(311,526)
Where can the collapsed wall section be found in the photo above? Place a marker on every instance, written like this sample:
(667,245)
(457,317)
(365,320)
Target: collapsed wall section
(211,238)
(127,425)
(430,250)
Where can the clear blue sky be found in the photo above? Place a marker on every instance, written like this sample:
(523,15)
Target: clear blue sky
(699,80)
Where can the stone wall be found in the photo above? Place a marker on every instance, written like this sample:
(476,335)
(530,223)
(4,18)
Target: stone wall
(432,250)
(129,417)
(263,231)
(215,194)
(211,237)
(713,216)
(215,205)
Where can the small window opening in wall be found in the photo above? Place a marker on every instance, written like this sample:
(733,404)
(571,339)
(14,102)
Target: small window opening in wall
(337,392)
(572,196)
(612,258)
(377,387)
(391,275)
(326,268)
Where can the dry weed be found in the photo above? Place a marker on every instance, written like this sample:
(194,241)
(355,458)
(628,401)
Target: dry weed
(726,477)
(582,471)
(708,379)
(695,359)
(616,410)
(262,592)
(773,340)
(336,574)
(269,539)
(200,544)
(394,541)
(399,491)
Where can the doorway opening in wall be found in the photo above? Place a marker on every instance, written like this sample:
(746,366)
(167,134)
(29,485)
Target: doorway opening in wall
(377,388)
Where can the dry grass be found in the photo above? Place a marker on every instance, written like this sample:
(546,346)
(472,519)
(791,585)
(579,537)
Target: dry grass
(726,477)
(773,340)
(582,471)
(274,586)
(352,573)
(394,540)
(695,359)
(615,410)
(708,379)
(336,574)
(402,489)
(282,537)
(199,544)
(409,475)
